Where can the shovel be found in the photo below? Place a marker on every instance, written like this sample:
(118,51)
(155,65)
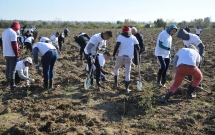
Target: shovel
(139,83)
(88,79)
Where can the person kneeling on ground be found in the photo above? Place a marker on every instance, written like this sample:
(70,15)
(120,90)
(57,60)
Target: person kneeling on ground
(22,71)
(99,68)
(186,62)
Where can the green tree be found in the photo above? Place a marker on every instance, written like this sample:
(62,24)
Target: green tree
(160,23)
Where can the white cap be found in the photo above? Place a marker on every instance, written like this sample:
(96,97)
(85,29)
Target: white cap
(28,59)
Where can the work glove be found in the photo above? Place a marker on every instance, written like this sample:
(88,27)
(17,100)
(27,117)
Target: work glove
(31,79)
(111,73)
(37,67)
(92,59)
(113,58)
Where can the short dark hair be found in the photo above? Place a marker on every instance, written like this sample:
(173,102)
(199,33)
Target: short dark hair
(107,53)
(109,33)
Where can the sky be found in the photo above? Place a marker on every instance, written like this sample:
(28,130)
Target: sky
(106,10)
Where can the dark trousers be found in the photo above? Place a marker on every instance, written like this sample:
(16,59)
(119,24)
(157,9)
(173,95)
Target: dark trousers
(28,46)
(10,67)
(164,65)
(98,68)
(81,51)
(17,78)
(48,61)
(60,45)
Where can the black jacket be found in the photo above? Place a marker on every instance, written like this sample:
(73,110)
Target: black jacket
(82,40)
(140,40)
(60,39)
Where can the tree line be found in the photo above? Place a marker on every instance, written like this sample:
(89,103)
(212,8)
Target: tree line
(203,23)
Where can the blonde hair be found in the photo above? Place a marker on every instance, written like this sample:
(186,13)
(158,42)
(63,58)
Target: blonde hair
(134,28)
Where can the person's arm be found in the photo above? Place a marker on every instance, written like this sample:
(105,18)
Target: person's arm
(89,48)
(201,49)
(161,45)
(175,62)
(104,71)
(22,75)
(116,48)
(35,52)
(197,64)
(137,47)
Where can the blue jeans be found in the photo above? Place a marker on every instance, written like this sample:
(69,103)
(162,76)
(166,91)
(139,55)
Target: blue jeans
(48,61)
(10,67)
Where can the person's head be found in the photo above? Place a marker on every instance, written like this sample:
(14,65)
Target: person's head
(126,29)
(15,26)
(28,61)
(172,29)
(107,35)
(107,56)
(57,34)
(133,30)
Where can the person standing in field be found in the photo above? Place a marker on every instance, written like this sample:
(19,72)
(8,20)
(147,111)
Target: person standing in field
(126,43)
(60,41)
(10,52)
(189,38)
(198,31)
(141,43)
(162,52)
(28,42)
(49,57)
(91,49)
(54,39)
(66,31)
(82,41)
(186,62)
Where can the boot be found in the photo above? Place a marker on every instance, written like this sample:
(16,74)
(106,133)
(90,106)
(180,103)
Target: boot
(12,84)
(50,83)
(190,90)
(127,86)
(116,81)
(45,85)
(166,98)
(159,81)
(163,81)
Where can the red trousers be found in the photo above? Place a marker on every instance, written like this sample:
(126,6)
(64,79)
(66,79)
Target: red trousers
(184,70)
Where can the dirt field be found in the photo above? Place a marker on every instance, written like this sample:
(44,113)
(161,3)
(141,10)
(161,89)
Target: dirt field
(69,109)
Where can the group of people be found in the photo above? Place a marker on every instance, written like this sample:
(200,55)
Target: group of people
(128,49)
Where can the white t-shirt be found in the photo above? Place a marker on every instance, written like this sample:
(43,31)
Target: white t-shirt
(101,59)
(198,31)
(8,36)
(44,39)
(29,40)
(96,40)
(43,47)
(20,66)
(30,30)
(54,39)
(127,45)
(188,56)
(167,41)
(102,44)
(194,40)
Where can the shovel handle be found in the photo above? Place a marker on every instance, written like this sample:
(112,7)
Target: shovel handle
(197,86)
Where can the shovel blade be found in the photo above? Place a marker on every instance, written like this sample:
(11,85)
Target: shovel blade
(139,86)
(86,84)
